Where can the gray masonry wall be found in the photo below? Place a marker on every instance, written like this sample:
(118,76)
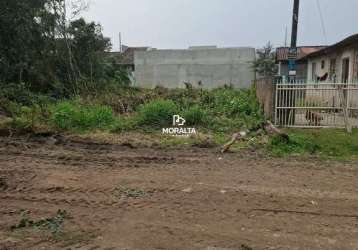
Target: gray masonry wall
(206,68)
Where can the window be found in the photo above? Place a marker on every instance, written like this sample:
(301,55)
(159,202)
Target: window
(323,64)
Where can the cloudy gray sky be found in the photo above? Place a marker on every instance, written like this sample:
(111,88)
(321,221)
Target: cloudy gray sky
(181,23)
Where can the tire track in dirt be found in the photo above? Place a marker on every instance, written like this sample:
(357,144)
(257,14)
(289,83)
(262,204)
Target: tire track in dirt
(196,201)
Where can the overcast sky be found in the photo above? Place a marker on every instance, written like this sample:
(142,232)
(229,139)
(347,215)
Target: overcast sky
(226,23)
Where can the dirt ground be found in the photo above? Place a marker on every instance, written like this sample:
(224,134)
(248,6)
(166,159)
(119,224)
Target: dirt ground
(121,196)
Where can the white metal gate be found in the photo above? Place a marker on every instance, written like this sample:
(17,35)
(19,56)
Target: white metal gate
(305,105)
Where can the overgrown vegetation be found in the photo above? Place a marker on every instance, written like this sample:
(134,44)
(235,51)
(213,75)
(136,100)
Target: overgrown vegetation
(72,115)
(157,113)
(222,110)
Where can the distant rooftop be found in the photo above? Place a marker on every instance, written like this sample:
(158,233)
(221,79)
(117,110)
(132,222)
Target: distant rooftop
(302,51)
(351,40)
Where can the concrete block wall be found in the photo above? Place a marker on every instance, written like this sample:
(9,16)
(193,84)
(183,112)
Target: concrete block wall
(207,68)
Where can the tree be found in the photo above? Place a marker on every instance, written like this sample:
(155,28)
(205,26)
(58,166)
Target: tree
(88,44)
(21,41)
(265,64)
(44,44)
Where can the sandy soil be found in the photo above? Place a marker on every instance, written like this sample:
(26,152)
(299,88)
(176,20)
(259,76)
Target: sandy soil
(187,198)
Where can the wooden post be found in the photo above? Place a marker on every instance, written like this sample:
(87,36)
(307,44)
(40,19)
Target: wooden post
(343,99)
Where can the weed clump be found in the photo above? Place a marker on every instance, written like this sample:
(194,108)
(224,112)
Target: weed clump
(67,115)
(196,116)
(53,224)
(157,113)
(299,144)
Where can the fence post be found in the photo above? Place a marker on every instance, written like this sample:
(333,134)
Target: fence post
(344,98)
(276,102)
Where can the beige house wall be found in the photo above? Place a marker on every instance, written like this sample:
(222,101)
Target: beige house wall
(349,52)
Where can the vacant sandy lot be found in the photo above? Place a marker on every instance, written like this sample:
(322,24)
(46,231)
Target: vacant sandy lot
(122,197)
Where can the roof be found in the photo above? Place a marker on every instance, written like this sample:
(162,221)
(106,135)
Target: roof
(127,56)
(352,40)
(282,52)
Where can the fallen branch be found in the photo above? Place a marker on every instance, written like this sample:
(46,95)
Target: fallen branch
(268,127)
(235,137)
(272,130)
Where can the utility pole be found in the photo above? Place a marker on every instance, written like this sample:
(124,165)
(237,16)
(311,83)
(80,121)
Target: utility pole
(296,9)
(292,54)
(287,97)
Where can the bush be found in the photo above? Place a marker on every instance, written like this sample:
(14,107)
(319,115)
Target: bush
(21,94)
(196,115)
(27,118)
(67,115)
(157,113)
(232,102)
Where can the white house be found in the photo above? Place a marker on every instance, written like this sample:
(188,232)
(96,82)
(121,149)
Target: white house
(336,63)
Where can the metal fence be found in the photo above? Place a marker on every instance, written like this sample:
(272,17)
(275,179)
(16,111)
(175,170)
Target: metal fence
(305,105)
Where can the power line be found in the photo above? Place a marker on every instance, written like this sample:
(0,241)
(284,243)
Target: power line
(322,21)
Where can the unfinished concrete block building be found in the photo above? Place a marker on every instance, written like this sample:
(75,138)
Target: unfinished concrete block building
(202,67)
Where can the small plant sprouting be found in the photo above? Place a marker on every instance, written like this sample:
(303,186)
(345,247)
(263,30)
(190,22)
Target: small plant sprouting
(127,192)
(53,224)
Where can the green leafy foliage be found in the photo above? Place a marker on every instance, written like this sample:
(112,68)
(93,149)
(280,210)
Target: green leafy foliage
(157,113)
(67,115)
(27,118)
(41,47)
(228,109)
(265,64)
(124,124)
(196,116)
(223,110)
(233,102)
(296,144)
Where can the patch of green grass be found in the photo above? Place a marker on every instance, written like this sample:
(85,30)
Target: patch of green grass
(196,116)
(69,115)
(157,114)
(334,143)
(124,123)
